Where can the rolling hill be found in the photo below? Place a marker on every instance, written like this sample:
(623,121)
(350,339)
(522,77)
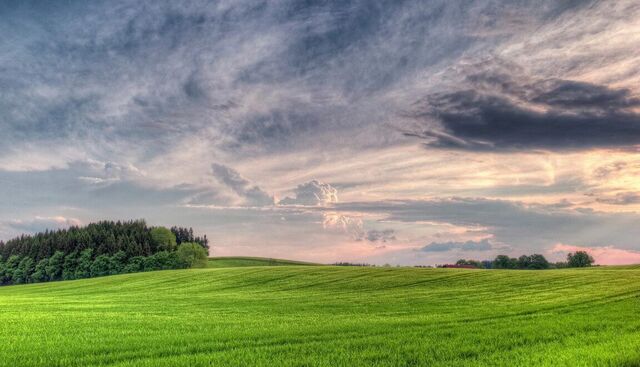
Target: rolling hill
(242,261)
(326,316)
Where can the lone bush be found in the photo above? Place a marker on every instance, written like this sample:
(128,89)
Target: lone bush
(192,255)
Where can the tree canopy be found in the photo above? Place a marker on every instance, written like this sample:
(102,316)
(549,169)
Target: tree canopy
(163,238)
(98,249)
(579,259)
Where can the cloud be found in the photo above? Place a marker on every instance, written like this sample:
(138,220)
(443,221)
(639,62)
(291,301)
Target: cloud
(121,108)
(606,255)
(385,235)
(312,193)
(105,173)
(349,225)
(500,114)
(610,169)
(40,224)
(252,195)
(482,245)
(622,198)
(521,226)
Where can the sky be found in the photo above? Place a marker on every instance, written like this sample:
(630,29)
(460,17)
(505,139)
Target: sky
(399,132)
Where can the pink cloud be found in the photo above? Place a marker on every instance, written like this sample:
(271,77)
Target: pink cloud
(606,255)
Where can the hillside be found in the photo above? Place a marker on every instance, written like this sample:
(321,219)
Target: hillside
(326,316)
(242,261)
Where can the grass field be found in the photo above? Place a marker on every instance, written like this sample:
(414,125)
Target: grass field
(240,261)
(327,316)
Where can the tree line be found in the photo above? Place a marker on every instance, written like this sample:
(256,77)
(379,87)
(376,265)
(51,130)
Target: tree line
(98,249)
(579,259)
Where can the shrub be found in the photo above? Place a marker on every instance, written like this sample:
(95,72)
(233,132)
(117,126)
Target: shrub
(55,265)
(83,269)
(192,255)
(40,272)
(101,266)
(69,266)
(134,265)
(22,274)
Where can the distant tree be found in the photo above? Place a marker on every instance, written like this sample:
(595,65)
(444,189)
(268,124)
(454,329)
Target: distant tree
(150,263)
(505,262)
(23,271)
(559,265)
(524,261)
(55,266)
(580,259)
(69,266)
(118,262)
(163,239)
(165,260)
(101,266)
(538,261)
(192,255)
(186,235)
(10,267)
(83,267)
(134,265)
(470,262)
(40,272)
(2,270)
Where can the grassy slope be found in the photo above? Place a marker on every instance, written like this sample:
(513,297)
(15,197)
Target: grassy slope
(240,261)
(329,316)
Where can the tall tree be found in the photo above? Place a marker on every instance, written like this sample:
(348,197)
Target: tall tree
(580,259)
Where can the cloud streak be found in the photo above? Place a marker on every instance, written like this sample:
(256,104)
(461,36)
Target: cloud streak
(498,114)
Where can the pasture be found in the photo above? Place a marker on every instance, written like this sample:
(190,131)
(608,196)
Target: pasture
(326,316)
(242,261)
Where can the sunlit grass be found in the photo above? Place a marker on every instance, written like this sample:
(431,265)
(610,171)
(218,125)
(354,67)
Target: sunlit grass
(326,316)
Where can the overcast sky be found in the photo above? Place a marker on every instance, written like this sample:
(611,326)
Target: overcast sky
(401,132)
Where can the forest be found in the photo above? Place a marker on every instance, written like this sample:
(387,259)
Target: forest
(98,249)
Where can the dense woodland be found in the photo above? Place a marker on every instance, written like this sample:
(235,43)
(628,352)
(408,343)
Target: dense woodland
(103,248)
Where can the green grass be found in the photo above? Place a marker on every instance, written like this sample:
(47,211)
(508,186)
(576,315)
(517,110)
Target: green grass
(327,316)
(241,261)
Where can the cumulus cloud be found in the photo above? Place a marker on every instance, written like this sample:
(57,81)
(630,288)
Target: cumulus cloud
(482,245)
(349,225)
(312,193)
(252,195)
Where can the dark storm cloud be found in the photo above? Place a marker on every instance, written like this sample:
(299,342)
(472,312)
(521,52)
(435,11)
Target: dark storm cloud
(482,245)
(500,114)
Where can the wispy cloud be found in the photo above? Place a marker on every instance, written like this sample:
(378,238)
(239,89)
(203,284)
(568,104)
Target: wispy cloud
(206,113)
